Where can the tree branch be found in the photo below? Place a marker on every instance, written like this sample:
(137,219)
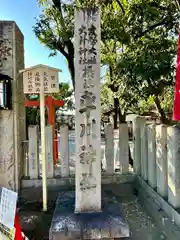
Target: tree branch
(121,6)
(163,21)
(61,49)
(58,5)
(178,4)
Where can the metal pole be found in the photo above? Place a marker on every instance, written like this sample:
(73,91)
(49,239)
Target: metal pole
(43,145)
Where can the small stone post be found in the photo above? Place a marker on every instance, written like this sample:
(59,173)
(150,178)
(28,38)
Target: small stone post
(152,155)
(49,152)
(144,149)
(109,149)
(64,150)
(173,146)
(161,159)
(116,148)
(124,148)
(33,133)
(137,145)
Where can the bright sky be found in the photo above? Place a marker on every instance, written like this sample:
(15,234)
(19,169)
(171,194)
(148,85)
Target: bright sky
(23,12)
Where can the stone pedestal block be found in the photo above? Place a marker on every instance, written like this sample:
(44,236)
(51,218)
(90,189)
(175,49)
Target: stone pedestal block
(107,224)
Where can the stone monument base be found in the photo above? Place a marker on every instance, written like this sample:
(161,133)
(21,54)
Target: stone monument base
(108,224)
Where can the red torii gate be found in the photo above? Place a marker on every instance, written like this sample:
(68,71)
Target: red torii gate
(51,103)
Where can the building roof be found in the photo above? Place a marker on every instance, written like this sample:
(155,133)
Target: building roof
(40,66)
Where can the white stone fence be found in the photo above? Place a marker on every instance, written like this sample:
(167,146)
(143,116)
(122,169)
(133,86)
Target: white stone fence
(156,155)
(157,158)
(114,152)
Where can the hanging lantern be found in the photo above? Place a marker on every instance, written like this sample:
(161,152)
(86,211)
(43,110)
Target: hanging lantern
(5,92)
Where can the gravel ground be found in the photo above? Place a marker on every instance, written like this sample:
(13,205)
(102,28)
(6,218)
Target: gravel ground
(141,225)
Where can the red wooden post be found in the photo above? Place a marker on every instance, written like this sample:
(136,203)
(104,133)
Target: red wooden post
(51,103)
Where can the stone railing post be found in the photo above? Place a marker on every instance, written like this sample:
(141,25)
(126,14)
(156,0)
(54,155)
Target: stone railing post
(33,152)
(64,150)
(151,131)
(173,172)
(144,149)
(161,159)
(109,149)
(49,152)
(137,145)
(124,148)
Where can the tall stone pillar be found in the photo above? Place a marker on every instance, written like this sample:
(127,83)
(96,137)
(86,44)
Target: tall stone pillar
(87,100)
(88,221)
(12,122)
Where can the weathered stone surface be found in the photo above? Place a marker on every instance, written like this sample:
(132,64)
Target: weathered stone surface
(161,160)
(173,162)
(137,144)
(49,152)
(144,149)
(64,149)
(152,179)
(124,148)
(33,160)
(12,121)
(107,224)
(87,98)
(109,149)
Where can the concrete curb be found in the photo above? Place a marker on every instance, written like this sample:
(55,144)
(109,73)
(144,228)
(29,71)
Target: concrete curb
(167,218)
(106,179)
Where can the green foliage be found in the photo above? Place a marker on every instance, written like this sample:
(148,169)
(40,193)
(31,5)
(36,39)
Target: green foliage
(106,98)
(167,100)
(138,46)
(66,94)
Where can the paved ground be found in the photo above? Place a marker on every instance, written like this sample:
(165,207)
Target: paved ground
(35,223)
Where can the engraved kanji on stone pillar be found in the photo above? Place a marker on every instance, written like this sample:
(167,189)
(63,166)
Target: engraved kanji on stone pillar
(87,98)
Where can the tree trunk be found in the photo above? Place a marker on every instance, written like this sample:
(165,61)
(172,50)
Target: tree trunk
(72,70)
(122,117)
(116,110)
(162,114)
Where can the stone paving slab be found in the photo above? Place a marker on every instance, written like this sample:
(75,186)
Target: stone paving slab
(108,224)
